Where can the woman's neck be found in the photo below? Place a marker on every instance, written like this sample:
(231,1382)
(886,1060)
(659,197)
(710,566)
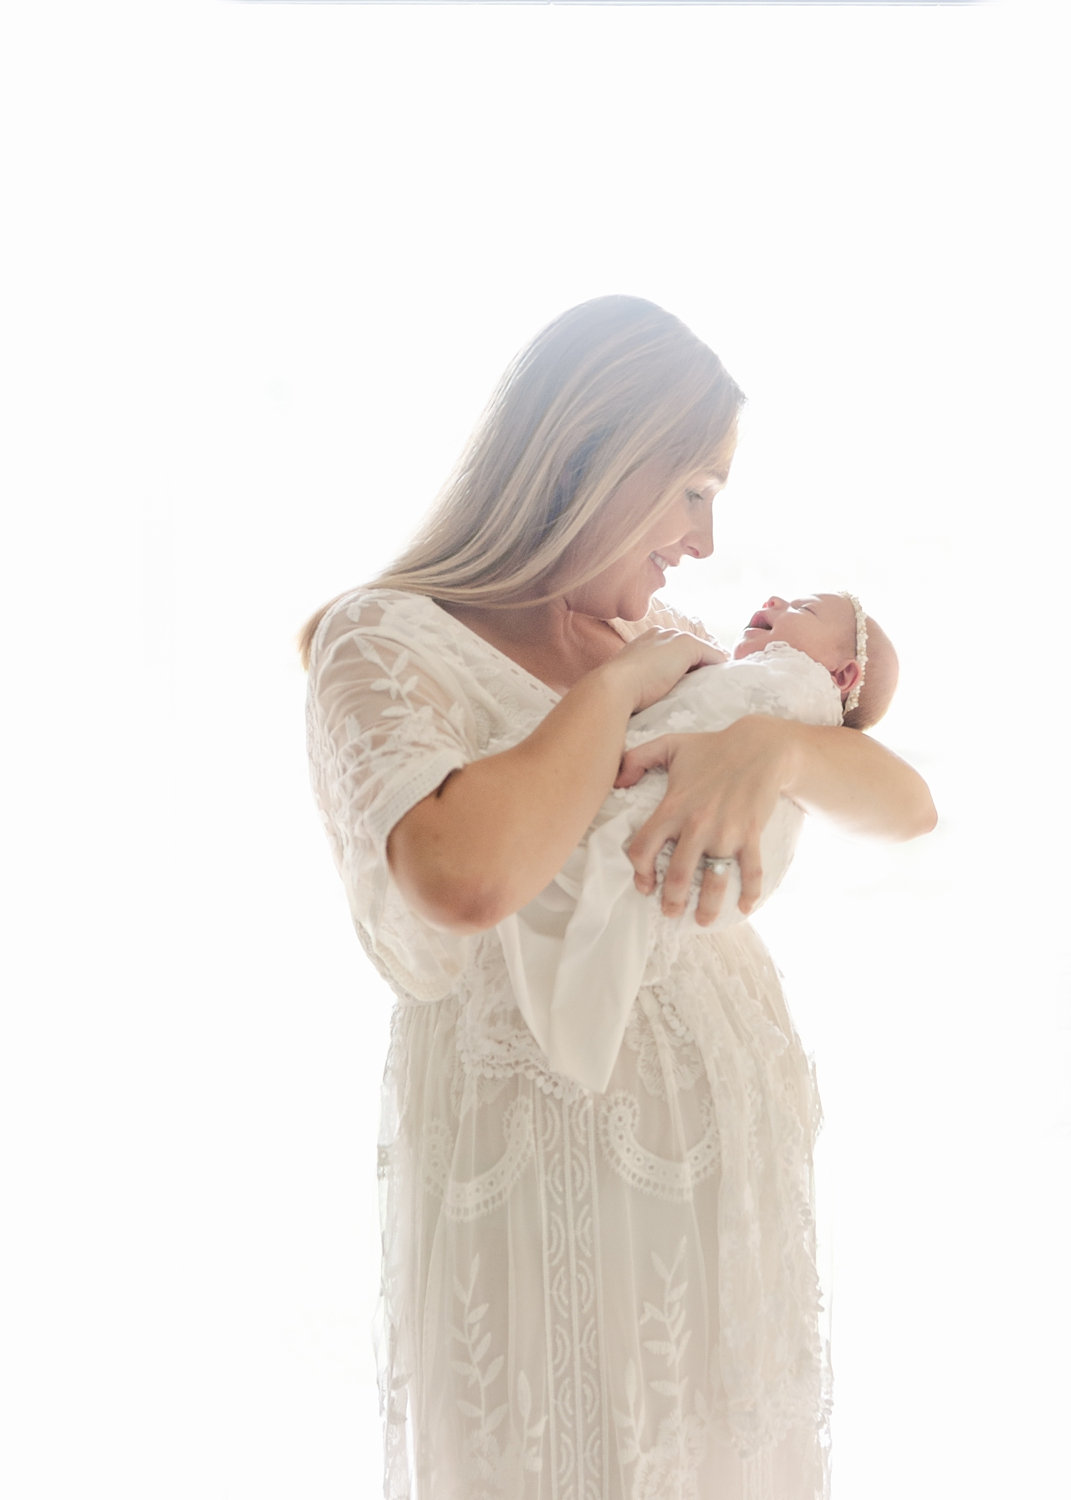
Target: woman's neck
(549,640)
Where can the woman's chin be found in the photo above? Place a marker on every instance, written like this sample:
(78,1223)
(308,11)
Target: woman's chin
(637,608)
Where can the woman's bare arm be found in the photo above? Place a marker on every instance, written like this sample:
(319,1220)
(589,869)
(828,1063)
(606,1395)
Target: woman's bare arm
(858,783)
(498,830)
(723,787)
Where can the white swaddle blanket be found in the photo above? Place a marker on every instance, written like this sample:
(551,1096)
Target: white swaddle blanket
(577,953)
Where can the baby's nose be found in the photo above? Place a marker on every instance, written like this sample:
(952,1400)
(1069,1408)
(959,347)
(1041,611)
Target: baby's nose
(775,603)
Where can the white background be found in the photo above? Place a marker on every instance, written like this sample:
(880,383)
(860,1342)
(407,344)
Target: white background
(263,266)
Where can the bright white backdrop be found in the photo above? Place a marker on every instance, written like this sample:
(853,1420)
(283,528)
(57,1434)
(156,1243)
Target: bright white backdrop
(264,265)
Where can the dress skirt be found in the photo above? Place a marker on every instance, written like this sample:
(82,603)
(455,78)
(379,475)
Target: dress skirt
(606,1296)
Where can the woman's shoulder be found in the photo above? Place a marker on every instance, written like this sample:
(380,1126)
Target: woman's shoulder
(373,612)
(370,604)
(665,617)
(392,634)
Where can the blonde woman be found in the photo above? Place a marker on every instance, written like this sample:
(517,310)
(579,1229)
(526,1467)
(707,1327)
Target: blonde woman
(606,1294)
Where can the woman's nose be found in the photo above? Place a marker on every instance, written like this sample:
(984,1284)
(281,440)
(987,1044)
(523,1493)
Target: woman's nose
(700,540)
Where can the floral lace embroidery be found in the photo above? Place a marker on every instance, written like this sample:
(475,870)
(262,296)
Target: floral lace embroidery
(493,1041)
(492,1467)
(667,1058)
(670,1466)
(463,1201)
(672,1180)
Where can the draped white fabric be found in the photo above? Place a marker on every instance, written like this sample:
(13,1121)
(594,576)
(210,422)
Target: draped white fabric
(576,955)
(585,1293)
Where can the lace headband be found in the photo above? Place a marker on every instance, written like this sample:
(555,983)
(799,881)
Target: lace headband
(852,700)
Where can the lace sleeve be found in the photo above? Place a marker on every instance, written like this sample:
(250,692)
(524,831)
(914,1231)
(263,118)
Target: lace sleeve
(387,722)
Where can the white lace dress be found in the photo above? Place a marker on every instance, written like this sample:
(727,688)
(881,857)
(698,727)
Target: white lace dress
(586,1295)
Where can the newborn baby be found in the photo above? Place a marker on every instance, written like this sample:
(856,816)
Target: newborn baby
(834,632)
(577,953)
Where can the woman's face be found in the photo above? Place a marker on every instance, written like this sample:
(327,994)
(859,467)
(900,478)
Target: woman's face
(683,528)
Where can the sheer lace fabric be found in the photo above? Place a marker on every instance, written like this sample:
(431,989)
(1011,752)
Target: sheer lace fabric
(585,1294)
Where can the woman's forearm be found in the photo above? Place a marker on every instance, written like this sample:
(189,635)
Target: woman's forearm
(856,782)
(497,831)
(723,787)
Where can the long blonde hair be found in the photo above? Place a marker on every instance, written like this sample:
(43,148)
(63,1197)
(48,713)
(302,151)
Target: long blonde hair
(607,387)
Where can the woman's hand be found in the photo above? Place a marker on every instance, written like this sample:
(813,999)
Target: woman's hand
(656,660)
(722,791)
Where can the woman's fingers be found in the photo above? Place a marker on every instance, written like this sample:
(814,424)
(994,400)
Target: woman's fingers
(711,897)
(686,860)
(646,847)
(658,659)
(645,757)
(680,872)
(690,849)
(721,791)
(750,861)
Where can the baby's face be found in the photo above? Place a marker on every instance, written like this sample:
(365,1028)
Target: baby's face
(821,625)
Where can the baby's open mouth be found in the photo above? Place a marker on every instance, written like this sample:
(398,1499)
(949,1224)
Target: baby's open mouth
(759,621)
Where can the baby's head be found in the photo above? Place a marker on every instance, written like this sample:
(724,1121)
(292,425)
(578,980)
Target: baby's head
(831,630)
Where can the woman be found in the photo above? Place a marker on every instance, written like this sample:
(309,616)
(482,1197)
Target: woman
(583,1294)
